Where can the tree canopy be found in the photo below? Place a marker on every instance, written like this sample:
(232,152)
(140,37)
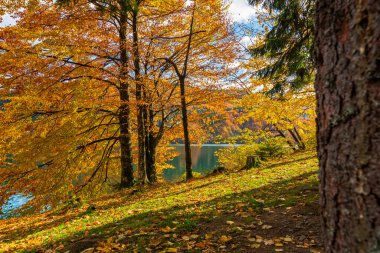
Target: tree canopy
(75,77)
(288,43)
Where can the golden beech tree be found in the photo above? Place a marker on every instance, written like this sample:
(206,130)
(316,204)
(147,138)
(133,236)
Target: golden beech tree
(207,49)
(66,115)
(288,113)
(81,81)
(290,116)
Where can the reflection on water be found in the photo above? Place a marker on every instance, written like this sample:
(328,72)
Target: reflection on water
(203,161)
(202,157)
(16,201)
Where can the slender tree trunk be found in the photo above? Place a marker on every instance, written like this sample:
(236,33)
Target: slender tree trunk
(185,124)
(287,140)
(303,146)
(151,144)
(141,167)
(151,159)
(348,99)
(127,179)
(181,78)
(300,144)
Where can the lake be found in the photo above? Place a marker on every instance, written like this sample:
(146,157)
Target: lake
(203,161)
(202,156)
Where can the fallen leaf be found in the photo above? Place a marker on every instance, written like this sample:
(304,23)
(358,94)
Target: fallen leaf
(208,236)
(225,238)
(255,246)
(166,229)
(186,238)
(268,242)
(229,222)
(60,247)
(120,237)
(89,250)
(237,229)
(155,242)
(259,239)
(201,245)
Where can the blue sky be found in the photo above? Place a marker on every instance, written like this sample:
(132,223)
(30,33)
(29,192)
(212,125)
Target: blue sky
(240,11)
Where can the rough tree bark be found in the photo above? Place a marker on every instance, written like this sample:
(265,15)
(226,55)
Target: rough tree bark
(348,97)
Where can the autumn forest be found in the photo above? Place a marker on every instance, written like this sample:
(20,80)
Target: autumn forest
(101,99)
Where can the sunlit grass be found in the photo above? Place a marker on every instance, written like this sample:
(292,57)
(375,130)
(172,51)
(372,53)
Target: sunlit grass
(284,182)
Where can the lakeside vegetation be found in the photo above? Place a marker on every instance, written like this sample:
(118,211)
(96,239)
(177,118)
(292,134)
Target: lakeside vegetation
(273,207)
(95,93)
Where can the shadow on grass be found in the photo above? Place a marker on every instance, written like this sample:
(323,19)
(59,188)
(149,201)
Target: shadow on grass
(38,224)
(201,216)
(59,217)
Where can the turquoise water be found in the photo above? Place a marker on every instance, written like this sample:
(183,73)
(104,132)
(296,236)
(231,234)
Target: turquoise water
(202,156)
(15,202)
(203,161)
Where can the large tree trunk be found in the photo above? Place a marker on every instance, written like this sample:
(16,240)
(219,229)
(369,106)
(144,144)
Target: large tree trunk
(348,97)
(127,179)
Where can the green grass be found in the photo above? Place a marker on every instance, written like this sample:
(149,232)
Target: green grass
(183,207)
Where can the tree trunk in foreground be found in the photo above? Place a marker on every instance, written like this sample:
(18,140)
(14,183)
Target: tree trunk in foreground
(348,98)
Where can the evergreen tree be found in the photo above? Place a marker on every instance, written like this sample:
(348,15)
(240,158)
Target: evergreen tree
(289,43)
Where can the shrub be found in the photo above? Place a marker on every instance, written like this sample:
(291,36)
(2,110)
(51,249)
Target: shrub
(195,175)
(235,157)
(270,147)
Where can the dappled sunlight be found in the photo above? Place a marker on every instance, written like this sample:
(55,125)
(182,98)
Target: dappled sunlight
(193,210)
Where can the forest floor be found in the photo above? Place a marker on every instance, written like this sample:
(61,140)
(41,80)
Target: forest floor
(273,208)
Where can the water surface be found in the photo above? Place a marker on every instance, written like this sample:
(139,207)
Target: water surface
(203,161)
(202,156)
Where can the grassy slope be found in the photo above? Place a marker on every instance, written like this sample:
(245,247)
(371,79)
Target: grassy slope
(225,212)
